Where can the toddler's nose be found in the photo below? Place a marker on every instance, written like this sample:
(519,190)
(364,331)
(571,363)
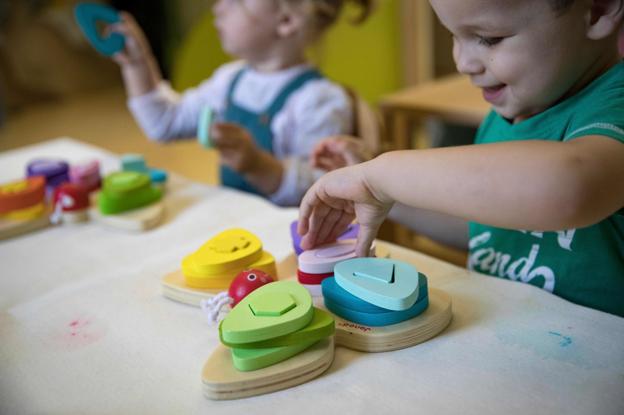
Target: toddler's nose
(467,59)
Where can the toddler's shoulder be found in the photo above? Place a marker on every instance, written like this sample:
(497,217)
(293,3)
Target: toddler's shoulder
(321,93)
(224,74)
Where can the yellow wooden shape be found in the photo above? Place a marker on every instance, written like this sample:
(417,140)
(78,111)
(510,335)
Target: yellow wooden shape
(221,281)
(230,250)
(14,187)
(29,213)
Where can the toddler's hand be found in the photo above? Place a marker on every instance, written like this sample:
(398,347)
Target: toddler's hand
(332,203)
(137,50)
(236,146)
(339,151)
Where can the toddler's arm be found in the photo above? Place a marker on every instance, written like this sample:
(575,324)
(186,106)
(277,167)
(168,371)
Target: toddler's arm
(538,185)
(162,113)
(340,151)
(335,152)
(446,229)
(139,69)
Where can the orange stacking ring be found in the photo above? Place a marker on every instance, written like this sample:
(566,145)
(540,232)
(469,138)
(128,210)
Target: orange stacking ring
(21,194)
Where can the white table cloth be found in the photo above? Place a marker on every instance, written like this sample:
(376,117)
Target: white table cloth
(84,327)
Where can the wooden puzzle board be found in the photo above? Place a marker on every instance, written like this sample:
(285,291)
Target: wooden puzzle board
(222,381)
(12,228)
(398,336)
(174,287)
(136,220)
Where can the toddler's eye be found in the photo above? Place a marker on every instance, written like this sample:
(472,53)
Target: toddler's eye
(489,41)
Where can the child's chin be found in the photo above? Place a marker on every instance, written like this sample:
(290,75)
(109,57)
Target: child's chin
(506,112)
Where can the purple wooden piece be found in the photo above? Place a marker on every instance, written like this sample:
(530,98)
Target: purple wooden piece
(55,172)
(351,233)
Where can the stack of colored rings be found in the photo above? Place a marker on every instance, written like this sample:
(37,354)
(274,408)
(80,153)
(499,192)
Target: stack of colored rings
(275,322)
(24,199)
(86,175)
(136,162)
(55,172)
(350,233)
(316,265)
(217,262)
(126,190)
(376,291)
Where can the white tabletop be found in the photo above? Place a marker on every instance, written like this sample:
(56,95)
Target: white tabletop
(84,327)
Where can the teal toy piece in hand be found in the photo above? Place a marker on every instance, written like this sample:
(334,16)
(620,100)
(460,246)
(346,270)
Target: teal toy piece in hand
(206,118)
(88,15)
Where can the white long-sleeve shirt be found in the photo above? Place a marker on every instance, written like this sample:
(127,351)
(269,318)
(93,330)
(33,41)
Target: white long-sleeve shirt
(320,108)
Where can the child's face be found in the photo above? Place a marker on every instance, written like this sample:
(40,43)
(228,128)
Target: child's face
(246,27)
(522,54)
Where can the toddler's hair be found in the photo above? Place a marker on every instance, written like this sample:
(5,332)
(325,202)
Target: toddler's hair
(325,12)
(560,6)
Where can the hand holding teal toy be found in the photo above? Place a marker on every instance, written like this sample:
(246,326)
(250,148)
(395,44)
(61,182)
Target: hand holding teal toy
(88,15)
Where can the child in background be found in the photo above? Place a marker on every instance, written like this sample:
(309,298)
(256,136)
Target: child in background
(543,188)
(272,105)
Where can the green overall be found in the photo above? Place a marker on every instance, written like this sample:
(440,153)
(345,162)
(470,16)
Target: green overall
(258,124)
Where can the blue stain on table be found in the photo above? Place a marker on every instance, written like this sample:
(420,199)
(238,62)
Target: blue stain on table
(549,343)
(564,341)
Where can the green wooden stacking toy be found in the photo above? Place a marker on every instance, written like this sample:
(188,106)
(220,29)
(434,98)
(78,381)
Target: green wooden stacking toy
(273,323)
(125,191)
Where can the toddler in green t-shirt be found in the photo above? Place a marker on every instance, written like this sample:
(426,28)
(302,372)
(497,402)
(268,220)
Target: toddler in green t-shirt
(541,193)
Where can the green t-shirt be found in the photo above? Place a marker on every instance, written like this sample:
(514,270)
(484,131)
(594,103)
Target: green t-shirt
(585,266)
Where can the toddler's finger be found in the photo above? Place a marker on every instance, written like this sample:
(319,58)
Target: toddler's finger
(365,240)
(341,225)
(329,224)
(305,210)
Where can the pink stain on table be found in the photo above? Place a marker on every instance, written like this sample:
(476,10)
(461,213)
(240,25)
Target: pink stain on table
(78,332)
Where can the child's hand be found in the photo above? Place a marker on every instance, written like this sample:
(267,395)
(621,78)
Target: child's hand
(339,151)
(334,201)
(137,49)
(236,146)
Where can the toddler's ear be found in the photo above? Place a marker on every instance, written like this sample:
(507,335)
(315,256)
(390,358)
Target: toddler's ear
(290,23)
(605,18)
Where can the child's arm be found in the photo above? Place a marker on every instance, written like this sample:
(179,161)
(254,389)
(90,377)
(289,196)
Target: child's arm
(336,152)
(332,153)
(446,229)
(139,69)
(537,185)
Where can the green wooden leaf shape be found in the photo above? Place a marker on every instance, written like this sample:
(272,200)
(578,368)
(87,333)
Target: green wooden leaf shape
(321,326)
(242,325)
(253,359)
(126,190)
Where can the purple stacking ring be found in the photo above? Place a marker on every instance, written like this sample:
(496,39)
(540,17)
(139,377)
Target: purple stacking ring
(55,172)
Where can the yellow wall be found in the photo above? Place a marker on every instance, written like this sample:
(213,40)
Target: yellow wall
(365,57)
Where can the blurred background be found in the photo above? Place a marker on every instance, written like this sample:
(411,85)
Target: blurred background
(54,84)
(46,65)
